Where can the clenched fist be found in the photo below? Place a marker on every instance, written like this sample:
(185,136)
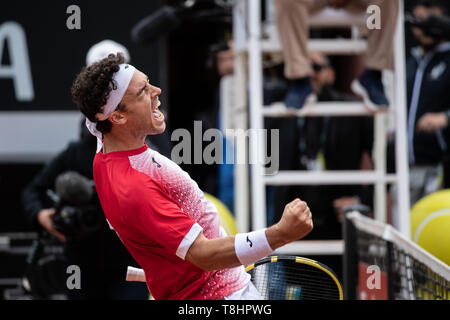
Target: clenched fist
(296,221)
(295,224)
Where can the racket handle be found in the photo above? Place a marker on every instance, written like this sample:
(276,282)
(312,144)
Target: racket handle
(135,274)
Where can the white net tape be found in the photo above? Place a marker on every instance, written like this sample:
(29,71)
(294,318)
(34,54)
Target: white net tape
(388,233)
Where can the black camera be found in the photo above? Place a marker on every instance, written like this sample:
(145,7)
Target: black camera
(170,17)
(78,211)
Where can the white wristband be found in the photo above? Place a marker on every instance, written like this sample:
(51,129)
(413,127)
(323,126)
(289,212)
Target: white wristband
(252,246)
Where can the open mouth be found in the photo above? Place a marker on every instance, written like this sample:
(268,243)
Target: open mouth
(157,114)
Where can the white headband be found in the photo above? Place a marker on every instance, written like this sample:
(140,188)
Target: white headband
(122,79)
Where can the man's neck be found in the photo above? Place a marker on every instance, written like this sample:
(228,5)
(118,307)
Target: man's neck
(428,49)
(113,142)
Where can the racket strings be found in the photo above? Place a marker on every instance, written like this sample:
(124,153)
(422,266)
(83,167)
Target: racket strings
(288,280)
(301,274)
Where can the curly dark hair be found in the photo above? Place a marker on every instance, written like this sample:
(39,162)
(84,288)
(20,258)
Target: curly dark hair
(91,88)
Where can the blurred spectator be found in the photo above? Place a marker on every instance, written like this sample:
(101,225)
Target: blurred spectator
(223,58)
(218,179)
(292,22)
(101,256)
(345,142)
(326,143)
(428,80)
(101,50)
(331,143)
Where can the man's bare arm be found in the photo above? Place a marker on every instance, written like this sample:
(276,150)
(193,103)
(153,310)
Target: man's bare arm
(220,253)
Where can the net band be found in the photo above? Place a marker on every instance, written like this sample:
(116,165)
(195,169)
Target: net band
(388,233)
(403,269)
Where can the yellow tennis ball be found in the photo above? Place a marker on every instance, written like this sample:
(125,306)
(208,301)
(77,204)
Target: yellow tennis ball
(226,217)
(430,224)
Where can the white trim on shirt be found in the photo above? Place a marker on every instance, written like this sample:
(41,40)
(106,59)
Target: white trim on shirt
(188,240)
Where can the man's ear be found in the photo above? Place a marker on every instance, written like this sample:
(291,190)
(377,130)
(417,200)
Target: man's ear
(118,118)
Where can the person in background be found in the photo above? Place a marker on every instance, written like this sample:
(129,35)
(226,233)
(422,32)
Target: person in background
(428,102)
(336,143)
(292,22)
(333,143)
(218,179)
(328,143)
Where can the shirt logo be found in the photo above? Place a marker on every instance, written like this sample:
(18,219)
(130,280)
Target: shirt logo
(157,164)
(438,71)
(249,242)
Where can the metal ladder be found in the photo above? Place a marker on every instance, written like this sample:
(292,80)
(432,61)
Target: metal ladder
(249,47)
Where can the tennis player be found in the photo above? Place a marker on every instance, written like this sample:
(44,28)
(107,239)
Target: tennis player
(156,209)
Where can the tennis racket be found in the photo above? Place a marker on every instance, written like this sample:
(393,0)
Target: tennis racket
(284,278)
(294,278)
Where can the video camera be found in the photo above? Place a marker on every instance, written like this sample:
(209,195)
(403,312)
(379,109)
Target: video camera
(170,17)
(78,210)
(78,215)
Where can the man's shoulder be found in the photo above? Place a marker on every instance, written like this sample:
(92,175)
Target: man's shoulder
(132,187)
(140,183)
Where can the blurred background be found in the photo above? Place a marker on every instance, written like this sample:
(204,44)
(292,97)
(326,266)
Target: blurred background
(185,47)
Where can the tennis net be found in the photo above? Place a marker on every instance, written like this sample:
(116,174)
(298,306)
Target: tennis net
(381,264)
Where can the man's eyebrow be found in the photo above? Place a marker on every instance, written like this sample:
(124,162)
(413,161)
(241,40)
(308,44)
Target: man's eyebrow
(142,89)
